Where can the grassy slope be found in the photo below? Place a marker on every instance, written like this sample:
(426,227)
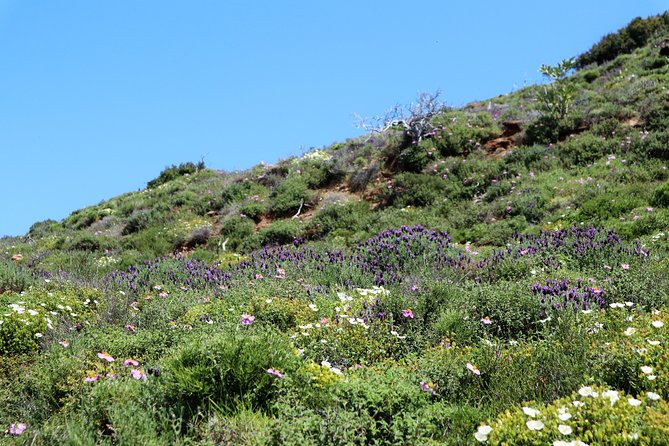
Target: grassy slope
(602,165)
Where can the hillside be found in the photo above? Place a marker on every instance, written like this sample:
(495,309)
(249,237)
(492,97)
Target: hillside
(455,276)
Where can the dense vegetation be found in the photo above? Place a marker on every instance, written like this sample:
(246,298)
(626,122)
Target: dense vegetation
(495,273)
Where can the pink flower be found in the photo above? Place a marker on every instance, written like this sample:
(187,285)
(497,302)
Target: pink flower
(280,273)
(111,375)
(625,266)
(275,373)
(65,344)
(17,429)
(259,276)
(407,313)
(137,374)
(91,378)
(427,387)
(414,287)
(486,320)
(469,250)
(247,319)
(106,357)
(131,328)
(472,368)
(164,294)
(130,362)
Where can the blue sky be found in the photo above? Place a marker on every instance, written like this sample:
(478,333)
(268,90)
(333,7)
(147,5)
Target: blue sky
(98,97)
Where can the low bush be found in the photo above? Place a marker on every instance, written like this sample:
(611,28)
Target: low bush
(229,370)
(289,195)
(173,172)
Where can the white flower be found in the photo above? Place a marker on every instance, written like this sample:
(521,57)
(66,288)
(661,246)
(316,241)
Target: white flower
(586,311)
(543,321)
(482,433)
(485,429)
(651,377)
(634,401)
(530,412)
(653,396)
(534,425)
(344,297)
(480,437)
(617,305)
(629,304)
(564,429)
(633,436)
(646,369)
(585,391)
(313,307)
(562,443)
(653,342)
(564,416)
(611,395)
(578,403)
(657,324)
(630,331)
(38,335)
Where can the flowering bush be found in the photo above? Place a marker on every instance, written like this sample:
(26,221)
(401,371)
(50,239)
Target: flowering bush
(593,415)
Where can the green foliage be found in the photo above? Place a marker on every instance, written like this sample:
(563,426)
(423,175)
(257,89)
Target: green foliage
(635,35)
(137,222)
(555,100)
(590,75)
(236,230)
(173,172)
(14,277)
(340,218)
(280,232)
(661,195)
(288,196)
(227,370)
(415,189)
(601,416)
(459,133)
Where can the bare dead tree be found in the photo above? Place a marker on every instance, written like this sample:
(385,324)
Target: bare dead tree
(413,119)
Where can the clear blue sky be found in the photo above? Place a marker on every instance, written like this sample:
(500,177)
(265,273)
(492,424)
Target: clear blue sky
(98,97)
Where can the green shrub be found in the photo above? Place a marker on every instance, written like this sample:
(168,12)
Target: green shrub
(584,149)
(340,218)
(137,222)
(590,75)
(280,232)
(229,369)
(173,172)
(255,210)
(459,133)
(14,277)
(289,195)
(416,189)
(661,195)
(625,40)
(236,230)
(602,416)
